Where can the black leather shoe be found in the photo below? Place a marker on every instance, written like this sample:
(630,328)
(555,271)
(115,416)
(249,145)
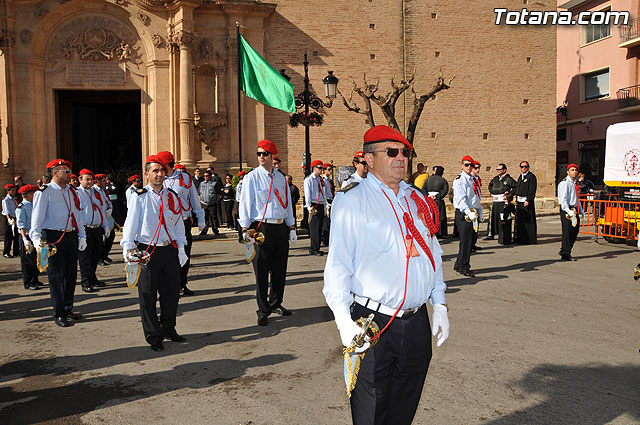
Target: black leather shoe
(7,255)
(186,291)
(107,260)
(100,284)
(74,316)
(467,273)
(41,284)
(281,311)
(88,289)
(567,258)
(263,321)
(103,263)
(64,322)
(158,346)
(488,238)
(476,248)
(176,337)
(32,287)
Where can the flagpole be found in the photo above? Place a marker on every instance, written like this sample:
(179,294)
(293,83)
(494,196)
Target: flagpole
(239,99)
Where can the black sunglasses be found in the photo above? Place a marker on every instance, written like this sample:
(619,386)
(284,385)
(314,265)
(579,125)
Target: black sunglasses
(263,153)
(467,164)
(499,169)
(524,166)
(393,152)
(477,168)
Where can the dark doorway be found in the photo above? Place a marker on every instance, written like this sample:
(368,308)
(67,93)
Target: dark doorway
(100,130)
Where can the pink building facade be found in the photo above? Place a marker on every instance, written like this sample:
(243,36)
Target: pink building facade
(598,84)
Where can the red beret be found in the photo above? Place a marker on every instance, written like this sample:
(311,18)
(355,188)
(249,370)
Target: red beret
(135,176)
(384,133)
(316,162)
(268,146)
(27,188)
(166,157)
(358,154)
(468,158)
(326,165)
(57,162)
(476,163)
(276,158)
(85,171)
(179,167)
(573,165)
(100,176)
(73,176)
(157,159)
(10,186)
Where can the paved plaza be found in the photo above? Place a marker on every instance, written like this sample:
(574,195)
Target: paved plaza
(533,341)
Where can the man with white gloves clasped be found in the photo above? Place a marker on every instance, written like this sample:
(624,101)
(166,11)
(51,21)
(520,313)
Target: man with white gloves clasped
(570,211)
(155,227)
(384,259)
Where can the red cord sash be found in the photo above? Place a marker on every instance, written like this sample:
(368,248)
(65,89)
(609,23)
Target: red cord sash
(278,195)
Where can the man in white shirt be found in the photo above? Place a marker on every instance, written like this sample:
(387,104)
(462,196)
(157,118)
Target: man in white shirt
(361,170)
(315,199)
(265,205)
(384,259)
(329,190)
(569,206)
(465,198)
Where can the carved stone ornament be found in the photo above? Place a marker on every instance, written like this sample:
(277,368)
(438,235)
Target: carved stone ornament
(206,49)
(26,36)
(41,11)
(143,17)
(94,38)
(122,2)
(206,129)
(154,3)
(158,40)
(184,39)
(7,38)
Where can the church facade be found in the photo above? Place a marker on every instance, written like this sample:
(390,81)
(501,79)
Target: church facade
(104,83)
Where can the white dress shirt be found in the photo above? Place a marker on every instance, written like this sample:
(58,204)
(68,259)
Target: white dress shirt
(255,191)
(9,205)
(131,190)
(53,209)
(143,219)
(188,194)
(367,253)
(464,197)
(313,191)
(327,187)
(567,196)
(91,212)
(353,178)
(103,199)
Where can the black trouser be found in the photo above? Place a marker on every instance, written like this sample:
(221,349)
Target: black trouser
(392,372)
(465,229)
(228,212)
(315,227)
(89,258)
(210,218)
(271,258)
(62,270)
(108,243)
(569,233)
(11,237)
(526,225)
(493,227)
(160,276)
(326,228)
(29,266)
(184,270)
(504,236)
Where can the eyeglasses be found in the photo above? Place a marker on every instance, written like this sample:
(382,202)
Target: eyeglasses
(393,152)
(499,169)
(477,168)
(263,153)
(467,164)
(67,171)
(524,166)
(137,181)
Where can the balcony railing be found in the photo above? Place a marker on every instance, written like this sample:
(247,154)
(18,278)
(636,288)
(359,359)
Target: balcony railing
(628,96)
(630,31)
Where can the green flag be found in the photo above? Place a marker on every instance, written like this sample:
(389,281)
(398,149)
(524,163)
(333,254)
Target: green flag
(263,83)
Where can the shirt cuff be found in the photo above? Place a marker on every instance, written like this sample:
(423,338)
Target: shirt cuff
(437,298)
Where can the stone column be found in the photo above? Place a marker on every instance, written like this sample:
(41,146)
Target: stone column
(185,40)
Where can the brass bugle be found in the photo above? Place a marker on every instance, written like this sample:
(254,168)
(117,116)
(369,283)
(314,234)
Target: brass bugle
(258,236)
(466,217)
(313,210)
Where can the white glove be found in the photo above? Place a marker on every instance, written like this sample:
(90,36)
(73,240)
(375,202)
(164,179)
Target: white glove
(293,237)
(248,238)
(26,242)
(82,244)
(11,221)
(36,243)
(571,213)
(440,320)
(348,330)
(108,213)
(200,226)
(182,256)
(472,215)
(107,232)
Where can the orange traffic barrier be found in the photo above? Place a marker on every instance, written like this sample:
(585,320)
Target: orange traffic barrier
(610,218)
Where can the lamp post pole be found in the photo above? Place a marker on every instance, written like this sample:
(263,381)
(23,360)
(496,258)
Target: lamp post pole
(307,144)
